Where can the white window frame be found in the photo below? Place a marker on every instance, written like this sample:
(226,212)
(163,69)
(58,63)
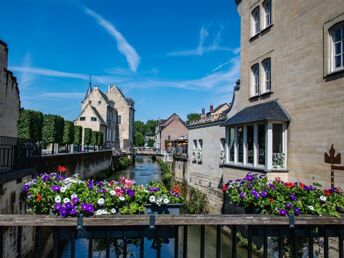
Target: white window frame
(333,46)
(266,65)
(255,80)
(255,17)
(267,8)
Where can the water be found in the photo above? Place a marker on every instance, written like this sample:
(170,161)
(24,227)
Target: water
(143,172)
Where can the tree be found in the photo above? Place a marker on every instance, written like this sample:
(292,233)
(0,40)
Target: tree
(150,143)
(68,133)
(100,139)
(87,136)
(193,117)
(30,125)
(139,140)
(49,130)
(140,127)
(150,127)
(94,139)
(59,129)
(77,135)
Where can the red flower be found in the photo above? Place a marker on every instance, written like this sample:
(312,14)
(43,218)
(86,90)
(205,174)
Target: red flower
(289,184)
(61,169)
(38,198)
(302,185)
(176,189)
(271,200)
(327,192)
(225,188)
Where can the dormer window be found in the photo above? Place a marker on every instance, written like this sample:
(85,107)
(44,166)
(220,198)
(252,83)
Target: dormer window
(255,80)
(337,56)
(82,118)
(255,21)
(267,13)
(93,119)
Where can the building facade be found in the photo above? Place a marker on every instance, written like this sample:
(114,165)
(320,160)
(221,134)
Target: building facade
(171,129)
(288,110)
(9,96)
(110,113)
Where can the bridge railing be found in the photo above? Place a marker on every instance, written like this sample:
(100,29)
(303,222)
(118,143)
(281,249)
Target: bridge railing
(257,229)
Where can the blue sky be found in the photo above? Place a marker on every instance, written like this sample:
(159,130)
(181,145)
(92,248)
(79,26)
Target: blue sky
(168,55)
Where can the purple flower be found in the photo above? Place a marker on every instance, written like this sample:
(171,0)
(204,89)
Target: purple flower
(68,205)
(63,212)
(249,177)
(73,211)
(130,192)
(292,197)
(75,200)
(242,195)
(283,212)
(297,211)
(84,207)
(90,184)
(288,205)
(58,206)
(99,183)
(45,178)
(271,186)
(26,187)
(264,194)
(55,188)
(101,190)
(153,189)
(339,209)
(90,208)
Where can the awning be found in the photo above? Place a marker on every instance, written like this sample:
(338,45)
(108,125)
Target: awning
(269,111)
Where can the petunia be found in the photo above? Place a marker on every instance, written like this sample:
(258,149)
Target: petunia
(288,206)
(75,200)
(58,199)
(323,198)
(45,178)
(26,187)
(68,205)
(152,199)
(264,194)
(101,201)
(73,211)
(55,188)
(57,206)
(63,212)
(283,212)
(297,211)
(131,192)
(292,197)
(249,177)
(65,200)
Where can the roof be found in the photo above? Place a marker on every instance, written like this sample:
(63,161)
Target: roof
(269,111)
(98,115)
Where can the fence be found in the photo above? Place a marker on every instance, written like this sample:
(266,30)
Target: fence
(288,232)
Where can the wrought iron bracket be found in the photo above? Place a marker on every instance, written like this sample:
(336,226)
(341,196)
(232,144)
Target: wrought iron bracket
(81,231)
(152,221)
(291,221)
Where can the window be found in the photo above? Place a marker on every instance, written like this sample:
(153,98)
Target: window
(222,150)
(199,156)
(261,144)
(267,13)
(255,80)
(255,21)
(337,35)
(231,145)
(119,119)
(194,151)
(240,143)
(267,74)
(93,118)
(278,155)
(169,137)
(250,144)
(99,102)
(82,118)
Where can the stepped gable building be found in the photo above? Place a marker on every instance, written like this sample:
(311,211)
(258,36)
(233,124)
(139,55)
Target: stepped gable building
(289,108)
(9,96)
(110,113)
(168,130)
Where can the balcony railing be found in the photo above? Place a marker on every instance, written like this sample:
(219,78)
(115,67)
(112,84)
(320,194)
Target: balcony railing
(287,231)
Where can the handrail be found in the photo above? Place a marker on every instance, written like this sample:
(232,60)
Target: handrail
(144,220)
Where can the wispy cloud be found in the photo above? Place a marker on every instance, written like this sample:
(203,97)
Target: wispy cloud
(25,78)
(55,95)
(202,47)
(47,72)
(222,65)
(123,46)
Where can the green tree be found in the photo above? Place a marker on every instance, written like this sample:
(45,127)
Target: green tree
(87,136)
(150,127)
(77,135)
(100,141)
(59,129)
(30,125)
(49,130)
(94,139)
(140,127)
(193,117)
(139,140)
(150,143)
(68,133)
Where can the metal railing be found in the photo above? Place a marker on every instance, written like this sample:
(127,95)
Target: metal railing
(258,230)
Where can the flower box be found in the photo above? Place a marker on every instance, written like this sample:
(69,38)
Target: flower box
(172,209)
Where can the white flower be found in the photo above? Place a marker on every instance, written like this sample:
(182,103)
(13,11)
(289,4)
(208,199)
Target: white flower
(65,200)
(159,200)
(58,199)
(101,201)
(113,193)
(99,212)
(73,195)
(113,211)
(152,199)
(166,200)
(122,198)
(311,208)
(323,198)
(104,212)
(63,189)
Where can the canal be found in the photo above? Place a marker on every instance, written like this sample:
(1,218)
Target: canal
(143,172)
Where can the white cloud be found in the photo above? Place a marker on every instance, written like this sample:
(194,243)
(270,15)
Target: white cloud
(47,72)
(25,78)
(123,46)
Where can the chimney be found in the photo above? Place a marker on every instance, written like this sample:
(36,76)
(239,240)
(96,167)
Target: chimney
(211,109)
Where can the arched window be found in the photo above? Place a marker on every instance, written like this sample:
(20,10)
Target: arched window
(255,21)
(337,48)
(267,13)
(255,80)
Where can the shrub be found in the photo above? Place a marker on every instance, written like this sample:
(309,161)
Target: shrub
(68,132)
(77,134)
(197,202)
(87,136)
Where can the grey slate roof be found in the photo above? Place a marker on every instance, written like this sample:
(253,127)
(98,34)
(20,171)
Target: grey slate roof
(269,111)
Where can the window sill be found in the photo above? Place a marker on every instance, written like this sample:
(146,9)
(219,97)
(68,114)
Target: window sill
(261,33)
(254,37)
(334,75)
(262,95)
(266,93)
(255,97)
(254,169)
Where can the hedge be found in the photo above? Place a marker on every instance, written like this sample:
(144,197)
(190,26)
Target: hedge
(68,132)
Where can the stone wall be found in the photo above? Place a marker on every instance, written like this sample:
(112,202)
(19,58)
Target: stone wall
(9,96)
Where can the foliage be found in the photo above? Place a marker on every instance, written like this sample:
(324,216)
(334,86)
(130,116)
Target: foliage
(49,129)
(166,174)
(59,129)
(124,162)
(94,138)
(70,196)
(150,127)
(284,198)
(140,127)
(100,139)
(30,125)
(87,136)
(193,117)
(197,202)
(150,143)
(77,134)
(68,132)
(139,139)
